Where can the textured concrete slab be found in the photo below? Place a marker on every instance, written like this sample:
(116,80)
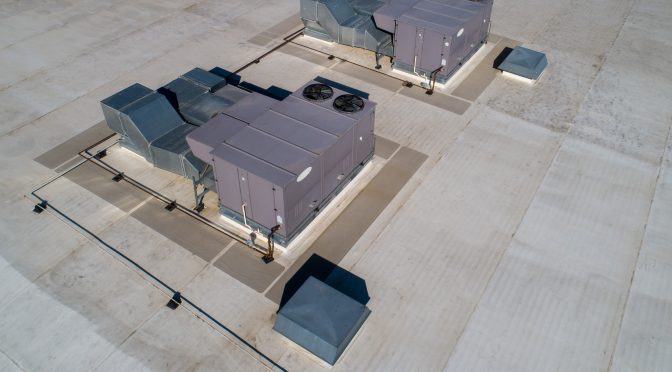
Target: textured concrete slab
(62,318)
(645,340)
(368,75)
(571,272)
(453,229)
(68,164)
(8,365)
(335,242)
(99,181)
(306,55)
(262,39)
(479,79)
(193,235)
(286,26)
(385,148)
(247,266)
(534,237)
(578,279)
(176,340)
(90,210)
(153,251)
(70,148)
(437,99)
(14,282)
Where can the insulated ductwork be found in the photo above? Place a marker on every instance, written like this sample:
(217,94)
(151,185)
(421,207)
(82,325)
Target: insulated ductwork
(150,126)
(192,95)
(345,22)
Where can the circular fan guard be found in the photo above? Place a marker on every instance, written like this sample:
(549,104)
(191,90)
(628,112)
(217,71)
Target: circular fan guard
(318,92)
(348,103)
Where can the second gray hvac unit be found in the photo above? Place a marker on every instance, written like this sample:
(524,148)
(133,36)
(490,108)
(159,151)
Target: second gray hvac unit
(434,35)
(283,163)
(430,38)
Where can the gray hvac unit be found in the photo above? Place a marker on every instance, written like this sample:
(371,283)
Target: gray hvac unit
(434,36)
(267,180)
(287,158)
(274,162)
(430,38)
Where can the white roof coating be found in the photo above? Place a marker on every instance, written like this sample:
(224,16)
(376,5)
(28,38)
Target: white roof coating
(535,237)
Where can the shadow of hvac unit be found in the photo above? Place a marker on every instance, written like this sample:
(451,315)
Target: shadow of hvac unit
(279,162)
(429,38)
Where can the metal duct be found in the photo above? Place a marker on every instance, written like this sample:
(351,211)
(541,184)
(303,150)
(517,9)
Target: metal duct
(344,22)
(172,153)
(146,120)
(113,104)
(151,127)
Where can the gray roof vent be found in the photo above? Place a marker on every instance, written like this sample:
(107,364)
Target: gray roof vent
(348,103)
(318,92)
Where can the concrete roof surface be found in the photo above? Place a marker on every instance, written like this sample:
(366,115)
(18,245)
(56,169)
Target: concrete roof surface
(534,235)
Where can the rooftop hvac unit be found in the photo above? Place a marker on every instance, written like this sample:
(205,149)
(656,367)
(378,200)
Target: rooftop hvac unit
(430,38)
(274,161)
(287,158)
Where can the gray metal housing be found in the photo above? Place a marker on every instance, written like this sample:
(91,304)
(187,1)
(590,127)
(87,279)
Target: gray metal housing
(290,158)
(321,319)
(434,35)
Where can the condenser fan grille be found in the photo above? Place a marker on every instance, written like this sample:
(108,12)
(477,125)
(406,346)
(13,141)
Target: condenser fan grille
(318,92)
(348,103)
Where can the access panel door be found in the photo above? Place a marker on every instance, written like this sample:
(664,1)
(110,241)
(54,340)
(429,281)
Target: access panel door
(262,201)
(404,44)
(431,55)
